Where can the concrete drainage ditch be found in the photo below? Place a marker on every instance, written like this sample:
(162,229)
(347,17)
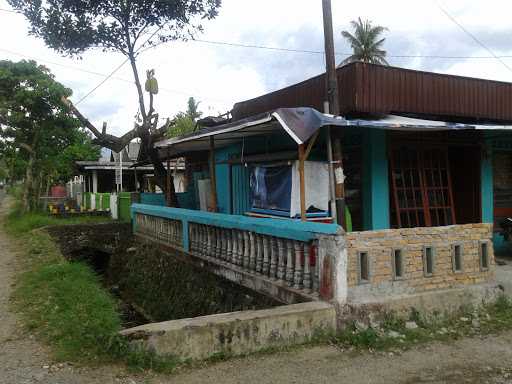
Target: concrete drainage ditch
(171,307)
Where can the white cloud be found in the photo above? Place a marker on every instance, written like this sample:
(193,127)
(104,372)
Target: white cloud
(219,76)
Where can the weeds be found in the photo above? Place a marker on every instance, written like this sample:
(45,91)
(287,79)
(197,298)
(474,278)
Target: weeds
(65,304)
(18,223)
(392,332)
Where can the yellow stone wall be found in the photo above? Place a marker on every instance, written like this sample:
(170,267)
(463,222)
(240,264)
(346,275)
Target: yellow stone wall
(380,245)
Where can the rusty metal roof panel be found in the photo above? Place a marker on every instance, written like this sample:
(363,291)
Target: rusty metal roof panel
(368,89)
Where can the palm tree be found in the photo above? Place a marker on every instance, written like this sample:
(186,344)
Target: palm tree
(366,43)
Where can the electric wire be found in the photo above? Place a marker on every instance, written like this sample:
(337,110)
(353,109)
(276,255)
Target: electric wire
(472,36)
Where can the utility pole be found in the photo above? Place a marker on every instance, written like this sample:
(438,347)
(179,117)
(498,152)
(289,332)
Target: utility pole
(333,140)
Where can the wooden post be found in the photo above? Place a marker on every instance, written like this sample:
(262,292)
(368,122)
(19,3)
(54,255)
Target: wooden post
(213,180)
(302,182)
(168,183)
(334,108)
(136,180)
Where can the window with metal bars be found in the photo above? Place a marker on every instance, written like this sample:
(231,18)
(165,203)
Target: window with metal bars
(421,188)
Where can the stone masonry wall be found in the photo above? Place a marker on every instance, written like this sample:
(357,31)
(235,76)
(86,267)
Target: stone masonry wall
(380,246)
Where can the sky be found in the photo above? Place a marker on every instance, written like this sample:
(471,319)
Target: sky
(220,75)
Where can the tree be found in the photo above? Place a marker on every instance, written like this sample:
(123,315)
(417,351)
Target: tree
(34,120)
(127,26)
(366,43)
(185,122)
(61,164)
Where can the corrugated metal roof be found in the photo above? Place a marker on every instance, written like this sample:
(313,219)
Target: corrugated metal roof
(369,89)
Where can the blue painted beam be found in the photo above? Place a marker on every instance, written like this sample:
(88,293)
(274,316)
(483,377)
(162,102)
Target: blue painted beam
(283,228)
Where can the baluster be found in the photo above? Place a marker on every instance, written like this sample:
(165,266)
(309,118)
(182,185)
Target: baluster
(209,241)
(200,240)
(281,259)
(316,270)
(266,255)
(246,259)
(240,255)
(274,256)
(307,271)
(234,246)
(299,256)
(223,250)
(259,253)
(204,242)
(289,262)
(218,245)
(192,236)
(252,253)
(229,245)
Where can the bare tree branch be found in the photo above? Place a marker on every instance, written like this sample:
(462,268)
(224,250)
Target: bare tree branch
(109,141)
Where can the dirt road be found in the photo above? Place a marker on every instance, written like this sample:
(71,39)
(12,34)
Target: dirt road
(489,360)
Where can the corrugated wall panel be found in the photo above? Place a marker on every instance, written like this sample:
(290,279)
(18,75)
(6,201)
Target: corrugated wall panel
(375,89)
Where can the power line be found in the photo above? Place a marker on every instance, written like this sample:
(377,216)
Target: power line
(473,37)
(318,52)
(116,69)
(282,49)
(87,71)
(102,82)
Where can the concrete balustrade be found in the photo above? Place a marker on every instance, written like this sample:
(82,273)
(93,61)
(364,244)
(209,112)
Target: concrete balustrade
(282,251)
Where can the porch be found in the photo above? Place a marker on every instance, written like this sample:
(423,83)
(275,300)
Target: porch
(418,206)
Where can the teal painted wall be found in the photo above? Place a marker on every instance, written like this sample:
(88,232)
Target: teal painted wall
(241,190)
(222,178)
(375,181)
(487,184)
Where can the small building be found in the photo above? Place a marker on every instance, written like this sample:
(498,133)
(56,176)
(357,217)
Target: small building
(426,171)
(119,172)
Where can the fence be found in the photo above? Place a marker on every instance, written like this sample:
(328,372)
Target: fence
(281,250)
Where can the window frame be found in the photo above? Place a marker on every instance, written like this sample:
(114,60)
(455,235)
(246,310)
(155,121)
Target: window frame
(402,263)
(461,247)
(480,255)
(425,264)
(360,280)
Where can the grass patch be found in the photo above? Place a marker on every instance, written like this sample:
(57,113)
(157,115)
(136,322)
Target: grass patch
(65,304)
(18,223)
(394,333)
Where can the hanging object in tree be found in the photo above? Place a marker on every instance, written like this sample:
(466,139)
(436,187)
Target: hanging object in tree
(151,82)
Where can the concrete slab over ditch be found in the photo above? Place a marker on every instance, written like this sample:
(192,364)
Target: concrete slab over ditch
(236,333)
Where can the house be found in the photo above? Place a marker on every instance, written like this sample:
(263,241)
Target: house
(426,172)
(104,175)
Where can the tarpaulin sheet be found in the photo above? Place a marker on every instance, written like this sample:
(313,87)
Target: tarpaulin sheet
(300,124)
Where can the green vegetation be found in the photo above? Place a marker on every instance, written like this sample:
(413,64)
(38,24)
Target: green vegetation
(38,133)
(399,333)
(18,223)
(185,122)
(366,43)
(128,28)
(65,304)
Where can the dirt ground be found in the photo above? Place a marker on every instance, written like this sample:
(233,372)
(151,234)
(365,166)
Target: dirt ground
(477,360)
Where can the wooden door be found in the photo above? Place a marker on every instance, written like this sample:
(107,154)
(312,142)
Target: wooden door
(421,190)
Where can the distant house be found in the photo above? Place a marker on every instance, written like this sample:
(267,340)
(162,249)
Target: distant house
(120,172)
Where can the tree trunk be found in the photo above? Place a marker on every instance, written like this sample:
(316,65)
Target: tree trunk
(29,179)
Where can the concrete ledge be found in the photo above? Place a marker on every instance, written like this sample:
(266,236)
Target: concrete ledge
(441,301)
(236,333)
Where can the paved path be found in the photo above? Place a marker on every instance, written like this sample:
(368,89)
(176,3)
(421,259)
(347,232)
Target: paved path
(488,360)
